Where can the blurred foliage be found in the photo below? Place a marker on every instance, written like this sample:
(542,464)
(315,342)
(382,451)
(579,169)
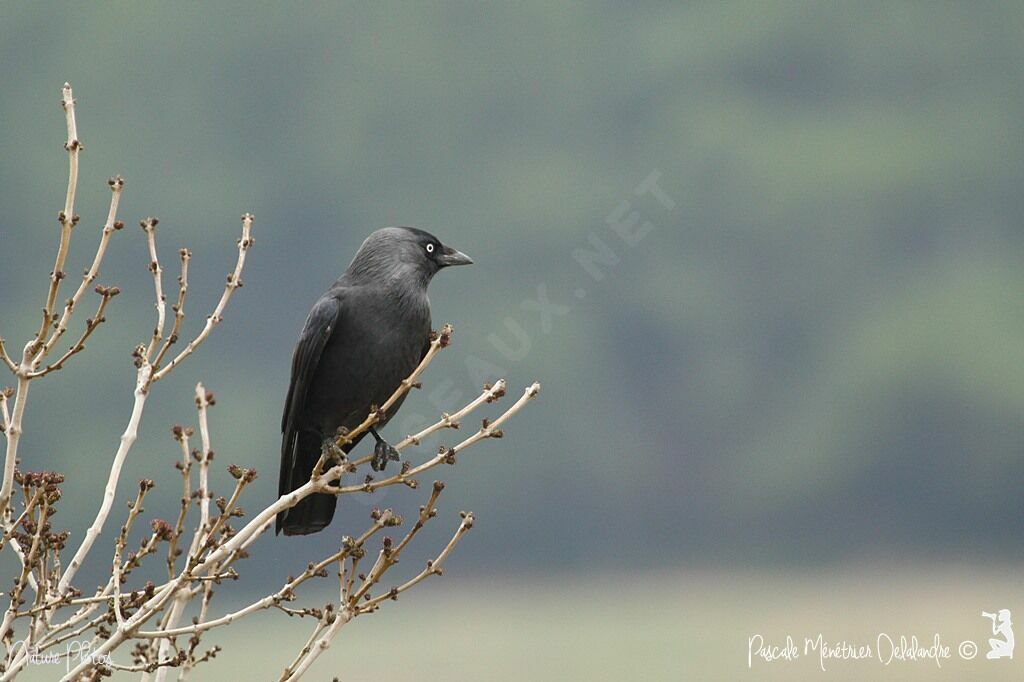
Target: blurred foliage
(817,352)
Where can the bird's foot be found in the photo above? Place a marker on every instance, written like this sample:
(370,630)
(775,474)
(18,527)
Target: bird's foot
(382,454)
(331,453)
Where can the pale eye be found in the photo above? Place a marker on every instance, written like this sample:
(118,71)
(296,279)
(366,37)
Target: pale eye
(430,248)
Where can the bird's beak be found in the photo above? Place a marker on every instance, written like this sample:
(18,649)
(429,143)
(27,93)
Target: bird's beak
(450,256)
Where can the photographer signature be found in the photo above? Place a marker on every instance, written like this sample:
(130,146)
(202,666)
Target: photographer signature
(73,652)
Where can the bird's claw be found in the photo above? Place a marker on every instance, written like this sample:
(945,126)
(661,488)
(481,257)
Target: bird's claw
(382,454)
(331,452)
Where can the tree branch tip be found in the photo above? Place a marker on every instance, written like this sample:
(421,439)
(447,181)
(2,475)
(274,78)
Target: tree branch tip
(445,338)
(447,454)
(180,432)
(107,292)
(495,392)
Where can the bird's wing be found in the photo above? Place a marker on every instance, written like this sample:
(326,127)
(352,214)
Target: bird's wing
(297,447)
(321,322)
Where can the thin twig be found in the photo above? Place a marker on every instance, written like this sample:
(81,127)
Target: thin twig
(13,433)
(149,227)
(181,435)
(234,282)
(203,401)
(490,394)
(29,506)
(434,567)
(128,438)
(111,225)
(106,293)
(22,580)
(389,553)
(178,308)
(67,216)
(489,429)
(122,540)
(306,648)
(7,358)
(282,594)
(5,413)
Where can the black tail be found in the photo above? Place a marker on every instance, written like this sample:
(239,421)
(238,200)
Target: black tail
(298,457)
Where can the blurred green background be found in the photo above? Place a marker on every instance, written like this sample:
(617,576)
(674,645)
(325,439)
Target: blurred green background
(809,371)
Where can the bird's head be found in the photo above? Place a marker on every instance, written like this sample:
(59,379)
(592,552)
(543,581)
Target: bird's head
(401,253)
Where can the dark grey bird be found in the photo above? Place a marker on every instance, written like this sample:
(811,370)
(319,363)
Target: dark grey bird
(365,335)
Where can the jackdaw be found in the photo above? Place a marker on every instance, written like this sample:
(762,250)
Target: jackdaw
(365,335)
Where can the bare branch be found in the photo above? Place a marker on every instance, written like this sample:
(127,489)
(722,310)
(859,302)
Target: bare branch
(389,554)
(7,358)
(203,400)
(320,645)
(111,225)
(5,413)
(490,394)
(146,376)
(113,617)
(318,630)
(234,282)
(67,216)
(434,567)
(29,506)
(106,293)
(128,438)
(181,435)
(489,429)
(178,308)
(171,620)
(287,591)
(13,433)
(38,528)
(149,227)
(122,540)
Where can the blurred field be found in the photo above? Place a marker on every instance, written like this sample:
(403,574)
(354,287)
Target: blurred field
(669,626)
